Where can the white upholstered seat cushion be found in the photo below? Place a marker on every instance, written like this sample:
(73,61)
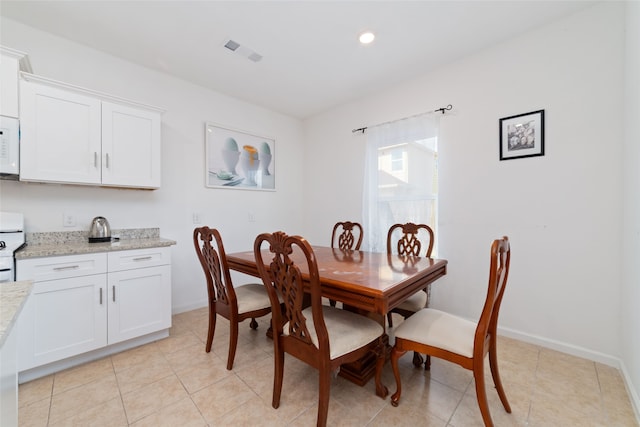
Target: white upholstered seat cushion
(439,329)
(252,297)
(347,331)
(415,302)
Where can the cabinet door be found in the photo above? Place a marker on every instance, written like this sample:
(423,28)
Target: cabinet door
(130,146)
(62,318)
(139,302)
(60,135)
(9,68)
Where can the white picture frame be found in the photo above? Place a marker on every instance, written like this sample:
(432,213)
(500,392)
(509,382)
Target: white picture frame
(239,160)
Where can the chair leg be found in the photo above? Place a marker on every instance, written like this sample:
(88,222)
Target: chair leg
(278,373)
(481,394)
(233,343)
(212,328)
(381,389)
(253,325)
(324,375)
(493,364)
(417,359)
(395,355)
(427,363)
(332,302)
(390,320)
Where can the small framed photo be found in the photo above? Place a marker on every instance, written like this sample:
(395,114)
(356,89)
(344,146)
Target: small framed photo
(238,159)
(522,135)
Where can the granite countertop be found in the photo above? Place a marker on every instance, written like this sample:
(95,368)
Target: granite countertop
(12,297)
(74,243)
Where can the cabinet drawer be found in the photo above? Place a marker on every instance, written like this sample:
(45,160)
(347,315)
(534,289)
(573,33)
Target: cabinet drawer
(139,258)
(61,267)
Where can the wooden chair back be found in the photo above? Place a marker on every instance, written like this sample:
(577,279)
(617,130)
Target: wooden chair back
(347,235)
(283,278)
(213,260)
(408,242)
(498,275)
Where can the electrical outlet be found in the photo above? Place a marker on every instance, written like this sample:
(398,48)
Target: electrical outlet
(252,217)
(68,220)
(196,218)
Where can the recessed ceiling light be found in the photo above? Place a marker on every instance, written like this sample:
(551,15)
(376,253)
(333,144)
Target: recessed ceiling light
(367,37)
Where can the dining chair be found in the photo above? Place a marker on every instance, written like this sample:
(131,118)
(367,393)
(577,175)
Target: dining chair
(409,239)
(322,336)
(343,238)
(233,303)
(459,340)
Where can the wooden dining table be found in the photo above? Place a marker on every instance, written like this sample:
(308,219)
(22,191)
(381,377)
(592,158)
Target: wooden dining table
(369,283)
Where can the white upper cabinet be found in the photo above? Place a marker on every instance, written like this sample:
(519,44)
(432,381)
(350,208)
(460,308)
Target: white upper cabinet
(74,135)
(130,148)
(60,137)
(11,62)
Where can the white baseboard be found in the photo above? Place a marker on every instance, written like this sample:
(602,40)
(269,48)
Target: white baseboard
(633,395)
(573,350)
(188,307)
(41,371)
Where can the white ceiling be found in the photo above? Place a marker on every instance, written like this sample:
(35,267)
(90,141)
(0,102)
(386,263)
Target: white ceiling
(312,59)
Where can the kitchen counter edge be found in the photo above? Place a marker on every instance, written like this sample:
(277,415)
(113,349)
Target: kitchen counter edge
(12,298)
(76,248)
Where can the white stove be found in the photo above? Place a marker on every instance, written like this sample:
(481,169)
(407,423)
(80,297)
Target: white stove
(12,238)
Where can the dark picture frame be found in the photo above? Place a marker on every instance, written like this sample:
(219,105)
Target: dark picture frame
(522,135)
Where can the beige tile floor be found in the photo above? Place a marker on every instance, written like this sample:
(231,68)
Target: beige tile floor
(173,382)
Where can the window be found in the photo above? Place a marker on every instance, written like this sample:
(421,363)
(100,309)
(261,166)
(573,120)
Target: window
(401,177)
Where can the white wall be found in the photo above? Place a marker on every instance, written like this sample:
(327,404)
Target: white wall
(561,211)
(170,208)
(630,310)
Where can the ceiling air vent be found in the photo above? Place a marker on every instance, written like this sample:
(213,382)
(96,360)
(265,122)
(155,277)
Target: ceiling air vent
(255,57)
(231,45)
(234,46)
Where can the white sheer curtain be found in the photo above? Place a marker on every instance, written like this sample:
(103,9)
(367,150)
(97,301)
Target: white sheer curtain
(400,177)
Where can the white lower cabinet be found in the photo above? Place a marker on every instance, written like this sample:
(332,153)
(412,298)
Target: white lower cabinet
(139,293)
(63,318)
(72,311)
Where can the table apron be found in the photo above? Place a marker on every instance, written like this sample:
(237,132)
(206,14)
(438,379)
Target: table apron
(397,298)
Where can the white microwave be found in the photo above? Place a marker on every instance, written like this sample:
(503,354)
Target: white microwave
(9,148)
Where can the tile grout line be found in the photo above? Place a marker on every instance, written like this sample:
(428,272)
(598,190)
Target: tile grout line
(605,412)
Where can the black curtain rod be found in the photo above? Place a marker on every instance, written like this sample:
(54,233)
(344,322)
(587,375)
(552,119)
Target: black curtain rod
(442,110)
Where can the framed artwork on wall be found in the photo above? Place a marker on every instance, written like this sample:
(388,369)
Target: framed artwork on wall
(522,135)
(238,159)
